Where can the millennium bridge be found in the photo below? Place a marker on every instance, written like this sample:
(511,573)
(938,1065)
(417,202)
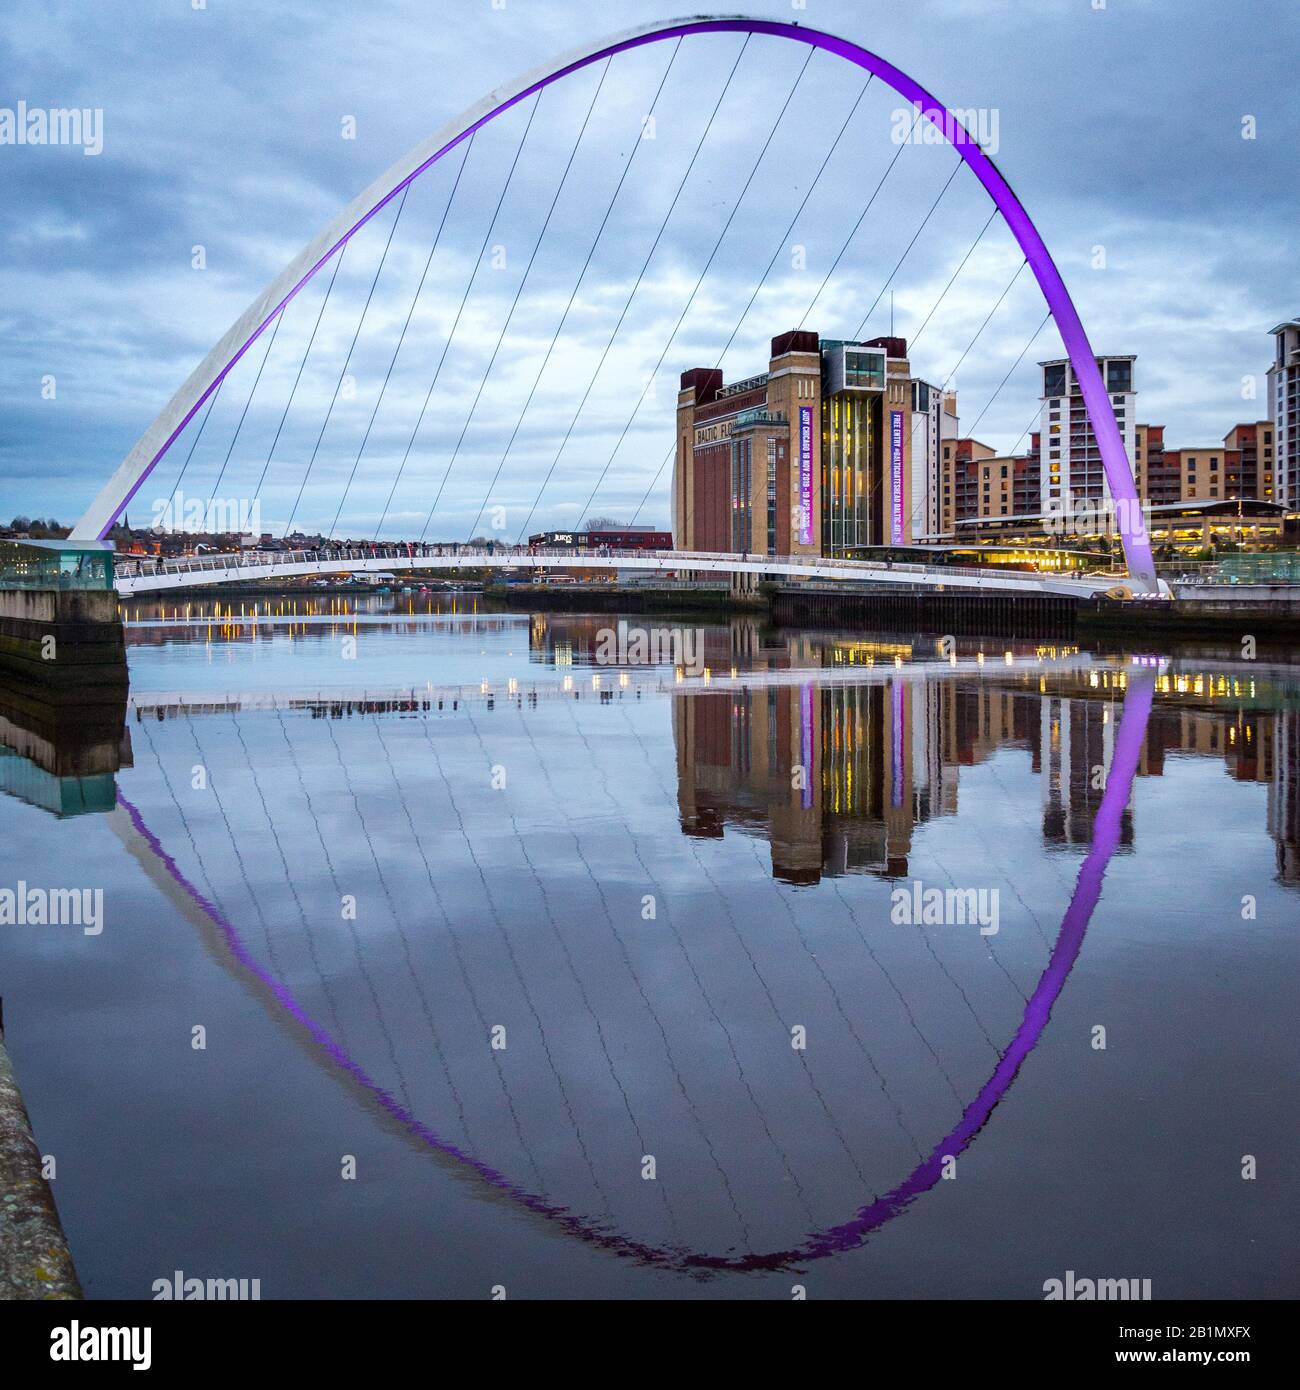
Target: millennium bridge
(341,467)
(143,577)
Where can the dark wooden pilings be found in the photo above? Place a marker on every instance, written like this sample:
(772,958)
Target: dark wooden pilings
(926,610)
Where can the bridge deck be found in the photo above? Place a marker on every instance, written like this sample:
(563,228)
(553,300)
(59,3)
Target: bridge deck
(234,569)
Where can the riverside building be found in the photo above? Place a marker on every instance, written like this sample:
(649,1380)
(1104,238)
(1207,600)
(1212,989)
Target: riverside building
(1069,458)
(1284,411)
(833,450)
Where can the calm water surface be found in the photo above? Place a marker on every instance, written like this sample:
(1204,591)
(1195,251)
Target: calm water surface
(607,982)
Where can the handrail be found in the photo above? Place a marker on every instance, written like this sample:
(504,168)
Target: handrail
(678,559)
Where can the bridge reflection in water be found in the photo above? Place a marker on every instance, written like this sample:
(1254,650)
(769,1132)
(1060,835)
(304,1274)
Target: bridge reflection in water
(529,867)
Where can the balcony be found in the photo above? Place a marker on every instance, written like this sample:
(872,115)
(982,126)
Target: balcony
(758,416)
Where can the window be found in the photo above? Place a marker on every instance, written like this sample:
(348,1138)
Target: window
(1119,376)
(771,496)
(864,369)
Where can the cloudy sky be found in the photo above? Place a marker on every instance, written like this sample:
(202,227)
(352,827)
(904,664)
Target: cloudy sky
(235,130)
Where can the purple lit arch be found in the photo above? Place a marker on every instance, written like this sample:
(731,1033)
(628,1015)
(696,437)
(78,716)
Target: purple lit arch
(869,1218)
(159,437)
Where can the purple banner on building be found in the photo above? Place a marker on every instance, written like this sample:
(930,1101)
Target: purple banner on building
(805,474)
(898,740)
(896,476)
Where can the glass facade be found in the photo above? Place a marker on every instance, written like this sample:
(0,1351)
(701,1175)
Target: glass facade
(850,427)
(771,496)
(865,370)
(55,565)
(742,517)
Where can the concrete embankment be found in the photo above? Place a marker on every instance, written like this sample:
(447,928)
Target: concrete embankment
(1224,611)
(34,1259)
(1269,612)
(67,640)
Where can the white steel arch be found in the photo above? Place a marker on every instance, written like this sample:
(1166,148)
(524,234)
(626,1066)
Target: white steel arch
(203,381)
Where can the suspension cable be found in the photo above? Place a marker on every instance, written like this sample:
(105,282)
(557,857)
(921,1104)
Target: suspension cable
(469,145)
(862,216)
(985,324)
(198,434)
(637,284)
(573,153)
(320,314)
(780,246)
(785,236)
(910,244)
(464,299)
(1014,365)
(401,338)
(915,336)
(347,361)
(216,487)
(681,318)
(591,251)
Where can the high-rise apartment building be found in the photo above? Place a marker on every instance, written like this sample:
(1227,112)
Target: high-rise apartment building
(1284,411)
(1069,459)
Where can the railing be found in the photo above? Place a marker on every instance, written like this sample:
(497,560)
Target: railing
(404,556)
(1281,567)
(759,416)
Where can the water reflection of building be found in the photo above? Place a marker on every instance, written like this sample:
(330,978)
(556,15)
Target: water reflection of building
(1284,796)
(1071,746)
(62,756)
(811,767)
(838,777)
